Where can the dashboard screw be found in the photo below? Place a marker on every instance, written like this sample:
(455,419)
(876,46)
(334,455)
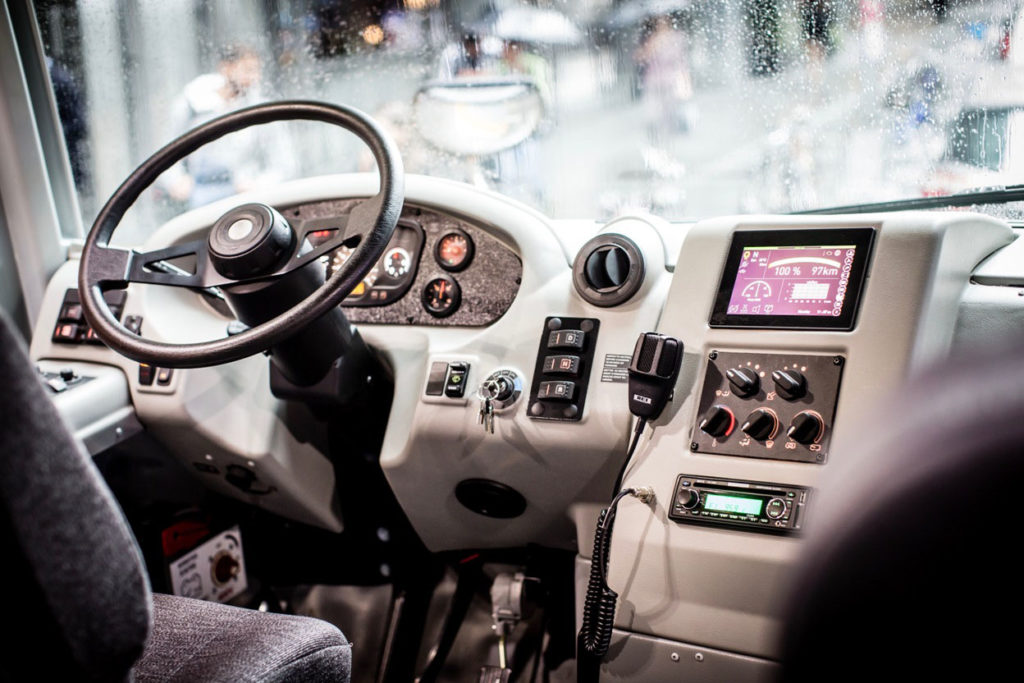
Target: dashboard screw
(713,355)
(674,656)
(699,656)
(838,360)
(693,445)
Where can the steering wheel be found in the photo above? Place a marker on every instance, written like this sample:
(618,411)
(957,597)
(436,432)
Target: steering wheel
(250,243)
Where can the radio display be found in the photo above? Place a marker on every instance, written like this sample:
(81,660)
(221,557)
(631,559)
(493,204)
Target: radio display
(793,278)
(734,504)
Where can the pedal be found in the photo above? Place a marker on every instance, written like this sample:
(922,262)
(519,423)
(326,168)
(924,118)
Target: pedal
(494,674)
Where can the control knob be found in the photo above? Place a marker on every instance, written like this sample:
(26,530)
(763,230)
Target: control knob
(688,498)
(744,381)
(807,427)
(790,384)
(761,424)
(719,422)
(775,508)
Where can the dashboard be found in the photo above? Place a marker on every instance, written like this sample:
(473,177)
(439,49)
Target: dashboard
(437,269)
(793,327)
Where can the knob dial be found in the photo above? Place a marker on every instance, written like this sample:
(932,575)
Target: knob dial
(807,427)
(688,498)
(761,424)
(790,384)
(775,508)
(718,422)
(744,381)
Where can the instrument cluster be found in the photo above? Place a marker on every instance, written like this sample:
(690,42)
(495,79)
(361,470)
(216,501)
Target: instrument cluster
(436,270)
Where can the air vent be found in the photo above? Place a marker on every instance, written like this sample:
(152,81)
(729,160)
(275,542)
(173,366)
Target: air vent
(608,270)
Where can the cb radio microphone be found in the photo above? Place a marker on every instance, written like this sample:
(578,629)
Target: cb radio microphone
(652,374)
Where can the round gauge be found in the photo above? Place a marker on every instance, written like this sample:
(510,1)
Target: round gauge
(341,255)
(441,297)
(397,262)
(338,259)
(454,251)
(372,276)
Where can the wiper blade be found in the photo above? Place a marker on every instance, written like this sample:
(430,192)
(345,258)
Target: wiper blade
(984,195)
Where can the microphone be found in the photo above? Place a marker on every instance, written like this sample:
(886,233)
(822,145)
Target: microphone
(652,374)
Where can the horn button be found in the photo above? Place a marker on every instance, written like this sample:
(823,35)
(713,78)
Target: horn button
(250,240)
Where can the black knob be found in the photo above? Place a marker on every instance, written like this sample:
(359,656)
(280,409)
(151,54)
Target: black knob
(807,427)
(761,424)
(67,374)
(688,498)
(744,381)
(718,422)
(790,384)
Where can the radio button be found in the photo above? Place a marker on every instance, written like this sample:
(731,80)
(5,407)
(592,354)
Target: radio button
(775,508)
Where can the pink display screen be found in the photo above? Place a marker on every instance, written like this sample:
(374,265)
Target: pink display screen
(792,281)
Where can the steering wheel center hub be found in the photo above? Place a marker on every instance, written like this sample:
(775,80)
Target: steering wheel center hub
(250,240)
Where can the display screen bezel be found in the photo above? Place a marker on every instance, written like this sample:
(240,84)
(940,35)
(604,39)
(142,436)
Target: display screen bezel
(861,238)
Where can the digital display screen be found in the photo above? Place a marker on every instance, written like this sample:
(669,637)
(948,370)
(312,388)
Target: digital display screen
(734,504)
(800,280)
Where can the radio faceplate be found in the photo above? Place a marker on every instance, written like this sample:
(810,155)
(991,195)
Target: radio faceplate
(750,505)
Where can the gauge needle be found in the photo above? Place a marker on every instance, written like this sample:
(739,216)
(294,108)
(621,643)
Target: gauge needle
(440,293)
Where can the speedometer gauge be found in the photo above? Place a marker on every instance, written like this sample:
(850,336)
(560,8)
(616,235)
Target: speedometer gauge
(441,297)
(454,251)
(341,255)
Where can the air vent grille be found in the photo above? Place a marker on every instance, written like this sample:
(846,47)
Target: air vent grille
(608,270)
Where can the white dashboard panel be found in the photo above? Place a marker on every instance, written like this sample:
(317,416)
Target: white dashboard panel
(704,586)
(725,588)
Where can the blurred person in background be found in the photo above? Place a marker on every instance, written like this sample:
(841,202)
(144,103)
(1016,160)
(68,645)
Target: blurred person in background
(461,58)
(667,85)
(251,158)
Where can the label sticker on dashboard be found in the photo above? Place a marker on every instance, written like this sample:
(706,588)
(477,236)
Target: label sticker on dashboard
(616,367)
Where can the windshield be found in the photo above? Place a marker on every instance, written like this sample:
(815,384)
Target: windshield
(685,108)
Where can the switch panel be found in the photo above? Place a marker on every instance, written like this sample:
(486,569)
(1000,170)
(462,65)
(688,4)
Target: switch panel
(447,379)
(72,327)
(562,372)
(768,405)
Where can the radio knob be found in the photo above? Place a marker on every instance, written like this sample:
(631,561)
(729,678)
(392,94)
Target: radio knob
(807,427)
(744,381)
(719,422)
(790,384)
(761,424)
(688,498)
(775,508)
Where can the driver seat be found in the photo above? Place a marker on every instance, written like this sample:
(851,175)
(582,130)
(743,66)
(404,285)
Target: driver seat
(77,594)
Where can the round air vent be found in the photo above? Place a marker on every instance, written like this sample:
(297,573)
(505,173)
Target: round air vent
(608,270)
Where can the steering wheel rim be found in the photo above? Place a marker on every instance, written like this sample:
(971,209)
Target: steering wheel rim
(104,268)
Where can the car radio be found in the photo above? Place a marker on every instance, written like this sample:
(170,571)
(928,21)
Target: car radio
(753,506)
